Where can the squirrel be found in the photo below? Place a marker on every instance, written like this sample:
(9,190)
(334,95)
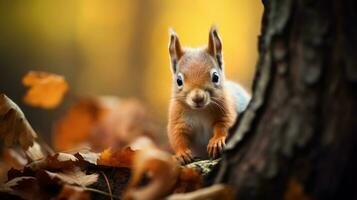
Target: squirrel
(203,105)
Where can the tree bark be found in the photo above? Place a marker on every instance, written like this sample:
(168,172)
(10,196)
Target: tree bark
(298,137)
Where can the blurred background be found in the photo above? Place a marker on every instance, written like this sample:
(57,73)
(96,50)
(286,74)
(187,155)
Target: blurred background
(117,47)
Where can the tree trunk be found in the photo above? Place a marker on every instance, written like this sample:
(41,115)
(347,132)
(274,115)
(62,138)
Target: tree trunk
(298,137)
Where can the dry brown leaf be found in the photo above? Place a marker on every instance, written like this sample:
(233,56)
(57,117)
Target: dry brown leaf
(13,158)
(214,192)
(117,157)
(25,187)
(54,162)
(69,192)
(35,152)
(74,176)
(14,127)
(161,169)
(46,89)
(46,185)
(8,186)
(85,153)
(89,156)
(55,171)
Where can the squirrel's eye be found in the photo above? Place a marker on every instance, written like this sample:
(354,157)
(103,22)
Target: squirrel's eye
(179,80)
(215,77)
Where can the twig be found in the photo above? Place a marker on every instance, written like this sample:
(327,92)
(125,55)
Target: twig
(108,184)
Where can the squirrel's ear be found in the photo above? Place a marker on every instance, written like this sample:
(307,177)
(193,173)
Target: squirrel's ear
(215,45)
(175,49)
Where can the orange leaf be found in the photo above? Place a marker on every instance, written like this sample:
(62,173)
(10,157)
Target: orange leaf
(46,89)
(117,158)
(76,126)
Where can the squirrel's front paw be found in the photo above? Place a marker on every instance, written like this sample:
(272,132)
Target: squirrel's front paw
(216,146)
(184,156)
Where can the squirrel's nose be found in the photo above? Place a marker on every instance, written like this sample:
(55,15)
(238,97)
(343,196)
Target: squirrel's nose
(198,99)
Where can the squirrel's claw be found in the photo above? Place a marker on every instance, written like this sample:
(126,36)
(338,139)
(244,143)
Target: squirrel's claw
(184,157)
(216,146)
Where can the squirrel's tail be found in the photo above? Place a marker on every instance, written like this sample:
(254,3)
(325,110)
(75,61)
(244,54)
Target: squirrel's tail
(240,95)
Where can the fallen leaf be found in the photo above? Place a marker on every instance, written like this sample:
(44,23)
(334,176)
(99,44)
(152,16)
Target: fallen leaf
(84,153)
(35,152)
(8,186)
(55,162)
(161,170)
(46,186)
(14,127)
(89,156)
(64,157)
(117,157)
(74,176)
(46,89)
(25,187)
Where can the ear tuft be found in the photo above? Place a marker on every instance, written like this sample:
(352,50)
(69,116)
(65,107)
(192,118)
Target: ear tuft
(213,29)
(172,32)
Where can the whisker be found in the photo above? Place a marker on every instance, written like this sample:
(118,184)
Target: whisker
(220,102)
(177,98)
(219,106)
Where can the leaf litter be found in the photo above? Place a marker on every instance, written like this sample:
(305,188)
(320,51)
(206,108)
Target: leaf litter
(101,150)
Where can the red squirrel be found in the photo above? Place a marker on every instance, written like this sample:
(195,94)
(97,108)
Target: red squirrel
(203,105)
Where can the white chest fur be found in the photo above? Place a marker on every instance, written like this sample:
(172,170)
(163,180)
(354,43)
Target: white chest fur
(201,126)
